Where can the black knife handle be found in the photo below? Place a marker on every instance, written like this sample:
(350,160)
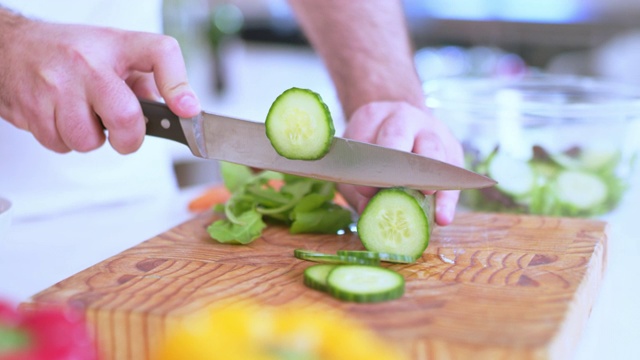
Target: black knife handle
(162,122)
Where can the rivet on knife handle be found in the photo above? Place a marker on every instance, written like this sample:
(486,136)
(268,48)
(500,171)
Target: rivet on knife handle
(161,122)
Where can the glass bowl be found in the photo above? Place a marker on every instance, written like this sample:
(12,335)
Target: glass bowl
(5,216)
(556,145)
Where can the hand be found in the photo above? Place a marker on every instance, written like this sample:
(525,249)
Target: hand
(404,127)
(59,81)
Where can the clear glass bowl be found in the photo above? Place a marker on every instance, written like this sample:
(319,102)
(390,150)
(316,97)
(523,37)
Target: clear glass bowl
(557,145)
(5,216)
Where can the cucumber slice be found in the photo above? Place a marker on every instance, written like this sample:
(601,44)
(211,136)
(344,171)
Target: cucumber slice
(299,125)
(361,283)
(392,258)
(580,189)
(397,221)
(332,259)
(359,253)
(315,276)
(592,159)
(515,177)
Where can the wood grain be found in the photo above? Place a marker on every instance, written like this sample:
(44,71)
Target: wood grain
(489,286)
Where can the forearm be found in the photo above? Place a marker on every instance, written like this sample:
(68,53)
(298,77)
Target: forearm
(10,25)
(366,48)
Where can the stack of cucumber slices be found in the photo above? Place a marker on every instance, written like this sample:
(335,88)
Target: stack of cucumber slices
(353,275)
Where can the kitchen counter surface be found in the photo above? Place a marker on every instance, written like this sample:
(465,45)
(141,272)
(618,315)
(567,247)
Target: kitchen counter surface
(37,253)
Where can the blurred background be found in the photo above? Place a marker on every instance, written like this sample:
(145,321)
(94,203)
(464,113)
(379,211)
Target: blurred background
(241,54)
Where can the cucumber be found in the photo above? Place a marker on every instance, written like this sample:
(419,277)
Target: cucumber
(315,276)
(515,177)
(392,258)
(397,221)
(299,125)
(362,283)
(581,181)
(333,259)
(580,190)
(591,159)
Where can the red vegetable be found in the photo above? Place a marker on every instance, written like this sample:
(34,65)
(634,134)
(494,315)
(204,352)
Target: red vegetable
(53,333)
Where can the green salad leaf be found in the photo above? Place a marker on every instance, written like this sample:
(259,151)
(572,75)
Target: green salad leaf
(247,227)
(304,204)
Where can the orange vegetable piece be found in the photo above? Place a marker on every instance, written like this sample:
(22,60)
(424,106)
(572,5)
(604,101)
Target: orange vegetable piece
(338,199)
(211,197)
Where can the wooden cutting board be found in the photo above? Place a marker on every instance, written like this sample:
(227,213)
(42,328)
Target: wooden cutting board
(489,286)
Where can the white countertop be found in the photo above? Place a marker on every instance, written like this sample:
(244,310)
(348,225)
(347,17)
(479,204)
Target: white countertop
(36,254)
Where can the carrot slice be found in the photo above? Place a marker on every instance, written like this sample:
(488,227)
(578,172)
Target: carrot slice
(211,197)
(338,199)
(276,184)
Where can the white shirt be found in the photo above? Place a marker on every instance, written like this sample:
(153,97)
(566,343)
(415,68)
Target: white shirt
(40,182)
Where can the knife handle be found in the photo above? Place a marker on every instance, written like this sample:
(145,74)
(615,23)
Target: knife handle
(162,122)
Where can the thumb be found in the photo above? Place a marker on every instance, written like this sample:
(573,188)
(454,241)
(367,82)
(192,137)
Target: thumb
(162,56)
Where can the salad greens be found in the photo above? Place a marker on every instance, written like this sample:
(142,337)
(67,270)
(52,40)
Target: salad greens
(305,205)
(579,181)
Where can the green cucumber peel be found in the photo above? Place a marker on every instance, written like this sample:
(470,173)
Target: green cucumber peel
(333,258)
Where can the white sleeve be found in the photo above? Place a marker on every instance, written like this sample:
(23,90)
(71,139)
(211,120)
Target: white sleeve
(139,15)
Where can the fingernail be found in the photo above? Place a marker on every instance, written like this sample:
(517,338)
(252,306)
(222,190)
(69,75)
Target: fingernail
(189,104)
(445,214)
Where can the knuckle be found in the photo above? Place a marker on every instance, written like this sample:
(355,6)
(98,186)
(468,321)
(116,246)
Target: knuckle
(126,117)
(369,111)
(393,128)
(167,46)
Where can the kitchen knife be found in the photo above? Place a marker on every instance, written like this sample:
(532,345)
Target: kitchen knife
(351,162)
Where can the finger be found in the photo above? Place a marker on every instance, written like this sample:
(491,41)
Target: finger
(365,121)
(162,56)
(363,126)
(446,206)
(78,126)
(42,125)
(357,201)
(399,130)
(120,112)
(144,86)
(430,144)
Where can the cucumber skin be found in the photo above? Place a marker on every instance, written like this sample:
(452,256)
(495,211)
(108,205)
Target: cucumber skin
(325,110)
(333,258)
(424,202)
(392,258)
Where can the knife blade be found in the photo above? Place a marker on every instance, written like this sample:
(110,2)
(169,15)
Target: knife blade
(245,142)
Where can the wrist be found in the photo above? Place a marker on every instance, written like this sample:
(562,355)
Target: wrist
(9,21)
(11,24)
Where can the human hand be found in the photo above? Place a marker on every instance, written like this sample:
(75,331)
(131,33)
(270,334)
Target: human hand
(402,126)
(59,81)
